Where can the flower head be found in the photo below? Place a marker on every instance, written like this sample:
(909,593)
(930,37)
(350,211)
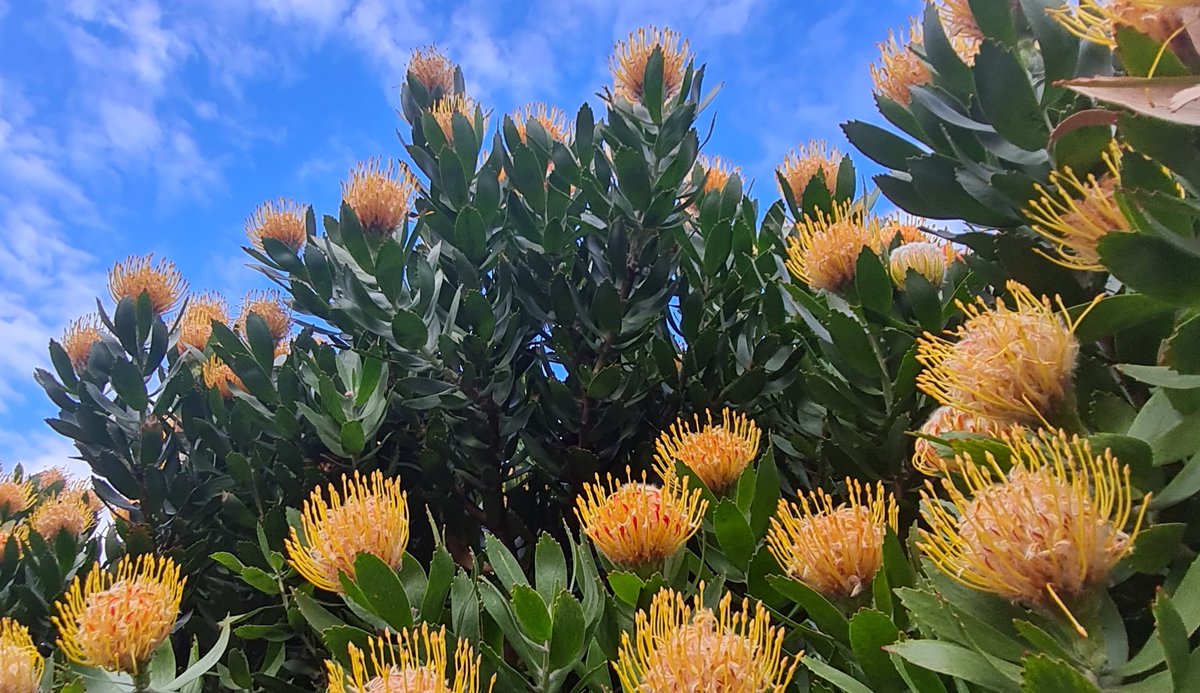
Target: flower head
(218,375)
(50,476)
(801,166)
(678,646)
(1011,364)
(269,306)
(67,512)
(717,173)
(15,496)
(380,193)
(370,515)
(282,220)
(412,661)
(834,549)
(115,620)
(433,70)
(196,325)
(899,67)
(959,20)
(1051,527)
(552,119)
(1097,21)
(445,109)
(636,524)
(79,337)
(926,259)
(1079,213)
(21,664)
(716,452)
(823,252)
(139,275)
(942,422)
(629,59)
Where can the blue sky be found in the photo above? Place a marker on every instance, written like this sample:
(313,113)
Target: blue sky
(133,126)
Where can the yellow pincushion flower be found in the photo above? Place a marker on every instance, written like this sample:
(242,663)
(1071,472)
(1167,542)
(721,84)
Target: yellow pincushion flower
(269,306)
(281,220)
(679,646)
(1009,363)
(15,496)
(834,549)
(67,512)
(445,109)
(218,375)
(926,259)
(1097,21)
(413,661)
(717,172)
(78,338)
(636,524)
(21,664)
(195,327)
(629,59)
(1079,213)
(899,67)
(380,193)
(115,620)
(1048,530)
(135,276)
(370,515)
(800,166)
(552,119)
(433,70)
(943,421)
(717,453)
(823,252)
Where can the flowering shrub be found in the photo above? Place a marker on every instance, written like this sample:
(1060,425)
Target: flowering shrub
(840,449)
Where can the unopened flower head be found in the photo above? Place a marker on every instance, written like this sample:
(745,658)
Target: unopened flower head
(281,220)
(635,524)
(433,70)
(79,337)
(945,422)
(717,172)
(716,452)
(899,67)
(269,306)
(926,259)
(445,109)
(552,119)
(682,646)
(836,549)
(21,664)
(1049,529)
(67,512)
(115,620)
(412,661)
(1097,21)
(195,327)
(380,192)
(1011,362)
(219,376)
(16,495)
(629,59)
(1079,212)
(800,166)
(823,252)
(138,275)
(368,515)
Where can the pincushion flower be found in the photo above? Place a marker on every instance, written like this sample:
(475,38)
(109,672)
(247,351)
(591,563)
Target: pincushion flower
(380,192)
(717,172)
(802,165)
(1097,21)
(681,646)
(899,67)
(16,495)
(1048,530)
(433,70)
(50,476)
(67,512)
(78,338)
(412,661)
(638,525)
(1009,363)
(219,376)
(717,453)
(369,515)
(926,259)
(195,327)
(269,306)
(958,20)
(1078,213)
(823,252)
(21,664)
(446,108)
(941,423)
(552,119)
(115,620)
(281,220)
(139,275)
(834,549)
(629,59)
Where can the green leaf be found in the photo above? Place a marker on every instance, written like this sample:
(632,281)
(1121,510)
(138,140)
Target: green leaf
(1183,349)
(826,616)
(733,534)
(604,383)
(842,680)
(262,344)
(717,246)
(569,632)
(1007,97)
(1161,376)
(959,662)
(128,384)
(606,308)
(383,591)
(259,579)
(550,567)
(1140,54)
(353,438)
(503,563)
(1173,636)
(317,616)
(633,179)
(873,283)
(1155,547)
(766,494)
(880,145)
(531,613)
(852,341)
(409,330)
(1153,266)
(652,93)
(441,576)
(626,586)
(1045,674)
(1115,314)
(870,632)
(208,661)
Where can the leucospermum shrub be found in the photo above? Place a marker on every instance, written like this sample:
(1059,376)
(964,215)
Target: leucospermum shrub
(548,403)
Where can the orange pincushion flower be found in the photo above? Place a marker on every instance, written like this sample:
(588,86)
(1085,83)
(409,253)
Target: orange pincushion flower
(799,167)
(49,477)
(629,59)
(380,193)
(217,374)
(679,646)
(823,252)
(433,70)
(959,20)
(941,423)
(1050,527)
(67,512)
(21,664)
(834,549)
(636,524)
(116,620)
(445,109)
(552,119)
(281,220)
(139,275)
(900,68)
(196,325)
(370,515)
(1097,21)
(412,661)
(1012,364)
(269,306)
(717,172)
(926,259)
(78,338)
(15,496)
(716,452)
